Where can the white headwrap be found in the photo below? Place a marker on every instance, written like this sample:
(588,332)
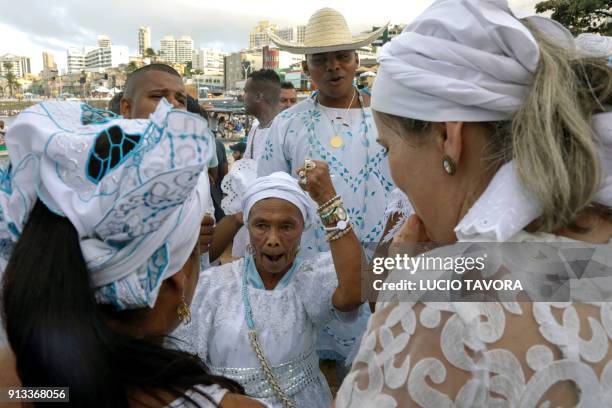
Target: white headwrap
(278,185)
(474,61)
(136,206)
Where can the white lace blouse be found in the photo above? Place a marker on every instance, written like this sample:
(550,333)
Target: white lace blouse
(511,354)
(287,322)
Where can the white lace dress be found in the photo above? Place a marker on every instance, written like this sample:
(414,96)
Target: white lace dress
(287,323)
(490,354)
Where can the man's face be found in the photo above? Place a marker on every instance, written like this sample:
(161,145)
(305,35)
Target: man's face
(333,72)
(250,97)
(236,155)
(288,98)
(150,88)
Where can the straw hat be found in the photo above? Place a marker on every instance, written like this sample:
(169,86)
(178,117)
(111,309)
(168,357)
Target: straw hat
(327,31)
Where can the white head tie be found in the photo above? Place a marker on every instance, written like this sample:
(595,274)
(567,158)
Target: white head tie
(278,185)
(131,188)
(468,60)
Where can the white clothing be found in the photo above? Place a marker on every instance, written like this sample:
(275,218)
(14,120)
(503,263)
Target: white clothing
(466,354)
(215,392)
(256,142)
(287,322)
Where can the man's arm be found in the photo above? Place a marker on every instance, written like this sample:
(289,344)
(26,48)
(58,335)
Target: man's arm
(223,235)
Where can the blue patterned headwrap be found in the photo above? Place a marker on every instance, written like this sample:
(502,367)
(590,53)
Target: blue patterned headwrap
(131,188)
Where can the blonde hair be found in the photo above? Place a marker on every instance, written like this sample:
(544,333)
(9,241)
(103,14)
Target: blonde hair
(550,138)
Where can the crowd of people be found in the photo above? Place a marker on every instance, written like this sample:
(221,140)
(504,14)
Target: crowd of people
(481,127)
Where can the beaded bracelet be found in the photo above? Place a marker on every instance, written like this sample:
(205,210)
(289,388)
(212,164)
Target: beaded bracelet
(337,235)
(326,204)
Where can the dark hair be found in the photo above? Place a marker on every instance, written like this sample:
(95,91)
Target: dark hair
(132,79)
(287,85)
(268,83)
(114,105)
(59,336)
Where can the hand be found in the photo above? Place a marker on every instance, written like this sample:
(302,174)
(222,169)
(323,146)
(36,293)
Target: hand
(410,238)
(206,233)
(317,182)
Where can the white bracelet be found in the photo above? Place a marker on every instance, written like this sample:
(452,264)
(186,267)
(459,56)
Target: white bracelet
(340,225)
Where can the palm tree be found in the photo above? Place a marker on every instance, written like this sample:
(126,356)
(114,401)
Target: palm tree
(11,80)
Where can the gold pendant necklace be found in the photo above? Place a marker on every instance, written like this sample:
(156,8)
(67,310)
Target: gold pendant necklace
(337,141)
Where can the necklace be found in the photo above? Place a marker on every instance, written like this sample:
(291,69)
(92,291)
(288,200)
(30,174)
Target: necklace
(336,141)
(259,126)
(316,149)
(281,395)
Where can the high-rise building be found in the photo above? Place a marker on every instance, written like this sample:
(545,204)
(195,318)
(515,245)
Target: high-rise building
(48,62)
(167,49)
(176,51)
(104,41)
(301,33)
(144,39)
(75,60)
(98,59)
(288,34)
(239,64)
(259,37)
(208,61)
(275,59)
(184,50)
(19,66)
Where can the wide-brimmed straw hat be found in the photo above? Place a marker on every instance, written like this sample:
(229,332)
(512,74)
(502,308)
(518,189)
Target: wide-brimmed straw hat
(327,31)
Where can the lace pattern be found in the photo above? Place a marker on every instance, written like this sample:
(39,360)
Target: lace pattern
(466,355)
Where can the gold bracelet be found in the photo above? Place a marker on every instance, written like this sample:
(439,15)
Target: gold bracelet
(328,203)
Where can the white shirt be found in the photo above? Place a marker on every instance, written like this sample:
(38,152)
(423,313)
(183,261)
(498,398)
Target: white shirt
(256,141)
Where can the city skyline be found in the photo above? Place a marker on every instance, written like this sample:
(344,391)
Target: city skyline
(224,26)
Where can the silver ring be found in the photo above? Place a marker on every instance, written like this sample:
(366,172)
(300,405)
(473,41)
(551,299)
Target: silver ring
(309,164)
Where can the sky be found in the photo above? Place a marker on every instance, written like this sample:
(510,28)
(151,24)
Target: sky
(29,27)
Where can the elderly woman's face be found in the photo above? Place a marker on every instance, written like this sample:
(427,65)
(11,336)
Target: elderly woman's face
(275,229)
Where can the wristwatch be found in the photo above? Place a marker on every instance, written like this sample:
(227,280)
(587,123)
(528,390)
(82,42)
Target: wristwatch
(337,217)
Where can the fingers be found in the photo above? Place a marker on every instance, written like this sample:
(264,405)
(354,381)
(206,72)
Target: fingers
(410,237)
(411,232)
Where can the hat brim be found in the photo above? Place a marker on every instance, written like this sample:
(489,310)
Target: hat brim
(358,42)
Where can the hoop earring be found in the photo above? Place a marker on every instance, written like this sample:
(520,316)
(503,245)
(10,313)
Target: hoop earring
(183,311)
(449,165)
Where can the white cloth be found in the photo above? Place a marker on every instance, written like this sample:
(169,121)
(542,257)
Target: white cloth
(215,392)
(256,142)
(235,183)
(287,323)
(485,354)
(398,205)
(136,206)
(278,185)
